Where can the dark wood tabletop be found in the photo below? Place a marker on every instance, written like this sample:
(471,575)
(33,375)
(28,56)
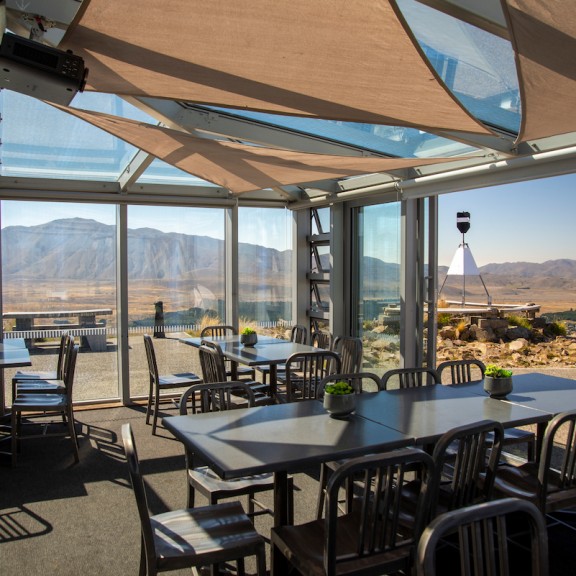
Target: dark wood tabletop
(427,412)
(280,438)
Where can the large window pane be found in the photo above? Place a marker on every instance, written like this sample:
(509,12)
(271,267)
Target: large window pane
(175,284)
(58,263)
(378,284)
(264,264)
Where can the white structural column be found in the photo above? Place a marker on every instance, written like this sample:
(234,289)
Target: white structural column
(300,266)
(122,302)
(339,290)
(231,266)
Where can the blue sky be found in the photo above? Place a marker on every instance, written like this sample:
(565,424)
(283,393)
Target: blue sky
(528,221)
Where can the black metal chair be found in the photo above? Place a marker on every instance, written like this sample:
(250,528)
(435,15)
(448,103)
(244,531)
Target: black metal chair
(47,404)
(361,381)
(321,339)
(471,370)
(480,541)
(351,353)
(371,538)
(49,381)
(219,330)
(213,364)
(304,372)
(217,397)
(410,377)
(162,382)
(298,334)
(192,537)
(548,487)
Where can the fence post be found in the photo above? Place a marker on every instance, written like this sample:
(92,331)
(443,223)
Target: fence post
(159,319)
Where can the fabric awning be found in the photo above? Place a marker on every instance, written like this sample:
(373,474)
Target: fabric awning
(334,59)
(239,167)
(544,38)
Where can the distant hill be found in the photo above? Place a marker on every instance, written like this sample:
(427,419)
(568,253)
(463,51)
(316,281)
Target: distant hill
(83,249)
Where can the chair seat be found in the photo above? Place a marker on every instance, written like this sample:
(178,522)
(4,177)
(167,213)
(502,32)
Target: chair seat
(29,375)
(522,482)
(178,380)
(40,386)
(201,536)
(206,480)
(304,545)
(51,402)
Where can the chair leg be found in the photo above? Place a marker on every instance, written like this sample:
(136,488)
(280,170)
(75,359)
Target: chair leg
(323,481)
(155,410)
(142,571)
(261,561)
(72,430)
(531,450)
(191,496)
(149,407)
(14,434)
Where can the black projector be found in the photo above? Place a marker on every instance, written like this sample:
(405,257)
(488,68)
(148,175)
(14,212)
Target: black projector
(41,71)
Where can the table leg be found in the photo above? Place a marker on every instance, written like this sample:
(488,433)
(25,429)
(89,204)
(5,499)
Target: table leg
(282,500)
(273,380)
(540,430)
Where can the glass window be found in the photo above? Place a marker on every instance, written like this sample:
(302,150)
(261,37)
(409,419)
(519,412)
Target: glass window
(175,284)
(59,274)
(264,266)
(378,284)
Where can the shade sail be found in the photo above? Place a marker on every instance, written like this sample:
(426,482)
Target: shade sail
(239,167)
(544,38)
(332,59)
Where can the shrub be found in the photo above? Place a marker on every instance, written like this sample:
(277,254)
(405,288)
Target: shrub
(515,320)
(444,319)
(558,328)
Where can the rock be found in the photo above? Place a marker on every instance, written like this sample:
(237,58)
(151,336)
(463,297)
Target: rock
(517,332)
(519,344)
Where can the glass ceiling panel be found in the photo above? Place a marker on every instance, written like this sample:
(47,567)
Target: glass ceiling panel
(390,140)
(478,67)
(43,142)
(160,172)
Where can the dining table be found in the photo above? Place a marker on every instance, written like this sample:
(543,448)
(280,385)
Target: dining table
(268,351)
(279,438)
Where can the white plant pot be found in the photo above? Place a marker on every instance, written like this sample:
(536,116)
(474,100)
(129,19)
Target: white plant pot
(339,405)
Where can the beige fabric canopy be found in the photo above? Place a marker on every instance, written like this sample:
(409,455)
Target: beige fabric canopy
(335,59)
(237,167)
(544,38)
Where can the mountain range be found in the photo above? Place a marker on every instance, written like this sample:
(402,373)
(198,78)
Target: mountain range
(83,249)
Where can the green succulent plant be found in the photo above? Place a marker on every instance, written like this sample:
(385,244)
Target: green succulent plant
(339,388)
(497,372)
(247,331)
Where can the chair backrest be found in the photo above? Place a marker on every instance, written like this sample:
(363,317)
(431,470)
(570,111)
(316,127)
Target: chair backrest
(305,371)
(218,330)
(375,521)
(215,397)
(482,532)
(140,493)
(356,380)
(460,371)
(151,358)
(299,334)
(63,350)
(351,351)
(472,453)
(212,361)
(320,339)
(71,370)
(410,377)
(560,436)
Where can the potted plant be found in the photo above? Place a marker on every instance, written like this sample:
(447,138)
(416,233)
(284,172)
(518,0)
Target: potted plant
(497,381)
(339,399)
(248,336)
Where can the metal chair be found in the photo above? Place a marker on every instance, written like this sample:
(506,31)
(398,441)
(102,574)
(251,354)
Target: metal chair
(46,404)
(304,372)
(52,382)
(479,537)
(220,330)
(160,383)
(213,365)
(358,382)
(217,397)
(551,489)
(320,339)
(351,352)
(410,377)
(472,370)
(193,537)
(298,334)
(371,538)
